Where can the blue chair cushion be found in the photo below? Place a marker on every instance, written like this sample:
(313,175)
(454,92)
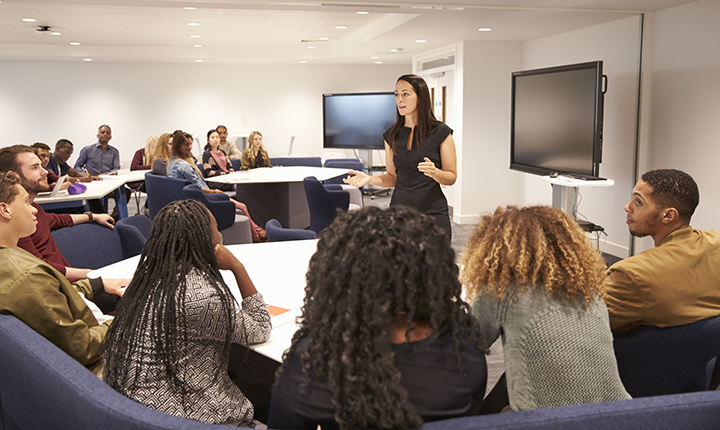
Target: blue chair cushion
(220,206)
(276,233)
(89,246)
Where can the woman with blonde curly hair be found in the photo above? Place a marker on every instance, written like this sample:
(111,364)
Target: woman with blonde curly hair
(534,278)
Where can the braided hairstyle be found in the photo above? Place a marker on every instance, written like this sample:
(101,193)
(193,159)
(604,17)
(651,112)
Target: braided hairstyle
(370,267)
(153,305)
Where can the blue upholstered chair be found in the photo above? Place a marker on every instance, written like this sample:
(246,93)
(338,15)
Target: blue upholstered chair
(234,226)
(323,202)
(89,246)
(276,232)
(133,232)
(162,190)
(237,165)
(670,360)
(347,163)
(296,161)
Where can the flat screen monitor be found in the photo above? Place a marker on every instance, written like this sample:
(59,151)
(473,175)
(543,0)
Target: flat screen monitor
(557,120)
(357,121)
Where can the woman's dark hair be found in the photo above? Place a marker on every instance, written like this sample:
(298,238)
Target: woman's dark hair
(426,120)
(370,267)
(180,242)
(211,131)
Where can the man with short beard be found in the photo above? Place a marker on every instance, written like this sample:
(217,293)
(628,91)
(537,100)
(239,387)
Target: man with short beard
(678,281)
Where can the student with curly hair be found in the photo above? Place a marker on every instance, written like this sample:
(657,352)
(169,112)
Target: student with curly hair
(385,340)
(536,280)
(169,346)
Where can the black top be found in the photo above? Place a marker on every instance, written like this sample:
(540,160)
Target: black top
(429,374)
(413,188)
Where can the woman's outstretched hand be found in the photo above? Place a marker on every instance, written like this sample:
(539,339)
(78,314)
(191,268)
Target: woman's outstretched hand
(358,179)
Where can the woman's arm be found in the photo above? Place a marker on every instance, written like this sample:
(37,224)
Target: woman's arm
(389,179)
(209,165)
(448,159)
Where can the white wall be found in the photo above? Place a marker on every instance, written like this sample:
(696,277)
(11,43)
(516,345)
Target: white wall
(618,45)
(48,101)
(685,116)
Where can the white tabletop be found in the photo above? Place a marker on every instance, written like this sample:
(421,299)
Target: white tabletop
(95,190)
(127,176)
(278,271)
(264,175)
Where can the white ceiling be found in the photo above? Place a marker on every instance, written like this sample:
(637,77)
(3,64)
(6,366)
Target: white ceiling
(262,31)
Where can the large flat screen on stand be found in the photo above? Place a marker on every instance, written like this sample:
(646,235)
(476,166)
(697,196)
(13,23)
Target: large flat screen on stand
(357,121)
(557,120)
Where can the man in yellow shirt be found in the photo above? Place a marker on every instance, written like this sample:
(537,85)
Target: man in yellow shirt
(678,281)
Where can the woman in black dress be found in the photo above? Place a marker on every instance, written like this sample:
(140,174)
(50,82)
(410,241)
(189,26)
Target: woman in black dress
(420,154)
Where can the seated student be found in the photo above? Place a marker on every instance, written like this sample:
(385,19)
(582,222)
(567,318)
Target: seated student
(43,152)
(183,166)
(59,166)
(255,155)
(142,160)
(385,341)
(40,296)
(678,281)
(536,280)
(20,160)
(162,154)
(230,148)
(169,346)
(216,162)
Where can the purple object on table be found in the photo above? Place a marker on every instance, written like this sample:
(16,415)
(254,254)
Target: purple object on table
(77,189)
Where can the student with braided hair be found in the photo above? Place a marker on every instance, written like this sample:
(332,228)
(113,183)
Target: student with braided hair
(169,346)
(534,278)
(385,340)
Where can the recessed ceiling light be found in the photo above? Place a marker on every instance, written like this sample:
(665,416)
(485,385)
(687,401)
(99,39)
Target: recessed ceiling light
(310,47)
(189,8)
(323,38)
(195,36)
(302,61)
(394,50)
(197,46)
(193,24)
(87,59)
(341,27)
(378,62)
(56,33)
(363,13)
(374,58)
(199,61)
(75,43)
(421,41)
(484,29)
(29,19)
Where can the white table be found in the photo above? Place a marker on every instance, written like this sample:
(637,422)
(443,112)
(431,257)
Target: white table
(278,271)
(277,192)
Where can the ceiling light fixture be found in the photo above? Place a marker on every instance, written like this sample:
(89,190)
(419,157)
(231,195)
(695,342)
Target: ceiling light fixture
(75,43)
(378,62)
(189,8)
(193,24)
(484,29)
(199,61)
(87,59)
(323,38)
(302,61)
(341,27)
(421,41)
(195,36)
(363,13)
(394,50)
(197,46)
(374,58)
(29,19)
(56,33)
(310,47)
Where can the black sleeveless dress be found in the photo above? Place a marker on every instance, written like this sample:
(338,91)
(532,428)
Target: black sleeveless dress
(413,188)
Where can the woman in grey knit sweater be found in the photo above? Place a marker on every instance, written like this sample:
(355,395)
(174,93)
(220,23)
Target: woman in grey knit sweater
(535,279)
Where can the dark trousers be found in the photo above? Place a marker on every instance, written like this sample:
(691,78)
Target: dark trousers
(254,374)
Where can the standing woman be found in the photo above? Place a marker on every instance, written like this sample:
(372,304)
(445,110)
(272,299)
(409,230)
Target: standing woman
(169,345)
(420,154)
(182,165)
(534,279)
(216,162)
(255,155)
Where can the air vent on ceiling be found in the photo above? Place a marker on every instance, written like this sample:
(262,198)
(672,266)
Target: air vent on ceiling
(43,29)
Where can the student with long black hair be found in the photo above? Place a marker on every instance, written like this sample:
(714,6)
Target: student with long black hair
(420,154)
(169,346)
(385,341)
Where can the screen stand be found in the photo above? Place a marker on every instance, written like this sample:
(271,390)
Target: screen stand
(563,198)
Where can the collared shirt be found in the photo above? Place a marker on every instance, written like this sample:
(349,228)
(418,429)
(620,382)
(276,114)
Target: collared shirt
(98,161)
(675,283)
(58,167)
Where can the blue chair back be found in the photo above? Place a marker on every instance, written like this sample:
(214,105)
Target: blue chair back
(670,360)
(276,232)
(41,387)
(343,163)
(90,246)
(162,190)
(133,232)
(237,164)
(222,208)
(296,161)
(323,202)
